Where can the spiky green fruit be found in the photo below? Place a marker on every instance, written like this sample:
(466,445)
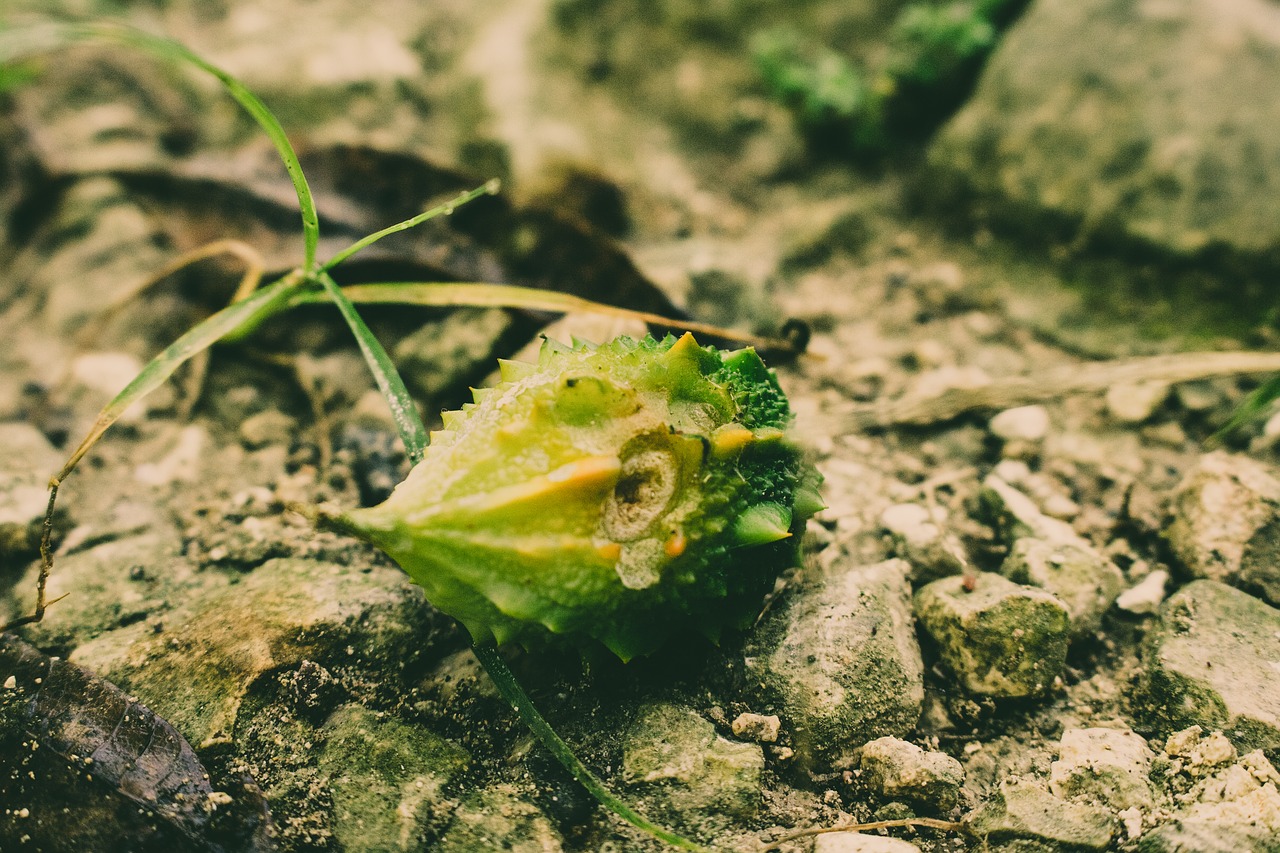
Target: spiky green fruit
(616,494)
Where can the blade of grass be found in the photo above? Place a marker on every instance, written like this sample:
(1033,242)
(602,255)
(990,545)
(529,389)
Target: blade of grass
(488,188)
(266,301)
(477,294)
(519,700)
(1252,407)
(412,431)
(22,42)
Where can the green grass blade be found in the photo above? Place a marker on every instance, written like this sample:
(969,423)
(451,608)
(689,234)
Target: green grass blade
(266,301)
(22,42)
(412,431)
(519,700)
(1252,407)
(476,294)
(488,188)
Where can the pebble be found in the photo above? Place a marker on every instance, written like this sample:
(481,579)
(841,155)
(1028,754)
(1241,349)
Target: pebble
(1024,423)
(1000,639)
(1103,765)
(1024,810)
(921,540)
(26,464)
(104,375)
(1134,403)
(761,728)
(676,762)
(270,426)
(1144,597)
(1014,515)
(1210,660)
(1226,523)
(1084,580)
(181,464)
(857,842)
(897,770)
(840,662)
(502,817)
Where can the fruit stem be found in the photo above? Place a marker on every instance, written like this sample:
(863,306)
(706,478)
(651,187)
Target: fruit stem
(505,681)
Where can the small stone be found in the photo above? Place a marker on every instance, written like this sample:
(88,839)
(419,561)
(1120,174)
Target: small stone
(1105,766)
(761,728)
(1211,660)
(27,460)
(1235,809)
(857,842)
(1024,810)
(1198,753)
(387,778)
(678,763)
(1226,524)
(270,426)
(999,639)
(922,541)
(939,287)
(1198,395)
(105,374)
(181,464)
(931,354)
(1014,515)
(949,377)
(1024,423)
(225,636)
(11,683)
(1144,597)
(1084,580)
(1133,403)
(840,662)
(897,770)
(499,818)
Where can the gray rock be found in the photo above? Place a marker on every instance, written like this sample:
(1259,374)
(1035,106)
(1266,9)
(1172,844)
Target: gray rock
(920,539)
(761,728)
(1025,811)
(1235,809)
(1144,597)
(1136,402)
(898,770)
(1104,766)
(1000,639)
(1226,524)
(857,842)
(841,662)
(1137,118)
(1015,516)
(499,818)
(27,460)
(386,780)
(1023,423)
(1084,580)
(675,761)
(270,426)
(117,583)
(1200,837)
(1211,660)
(197,670)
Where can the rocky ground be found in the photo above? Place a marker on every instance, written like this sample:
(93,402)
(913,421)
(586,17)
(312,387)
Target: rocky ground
(1039,603)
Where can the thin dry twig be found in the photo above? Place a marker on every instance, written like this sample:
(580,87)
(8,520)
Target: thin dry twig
(1060,382)
(929,822)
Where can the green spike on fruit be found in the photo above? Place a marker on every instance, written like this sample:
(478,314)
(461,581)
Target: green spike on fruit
(616,495)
